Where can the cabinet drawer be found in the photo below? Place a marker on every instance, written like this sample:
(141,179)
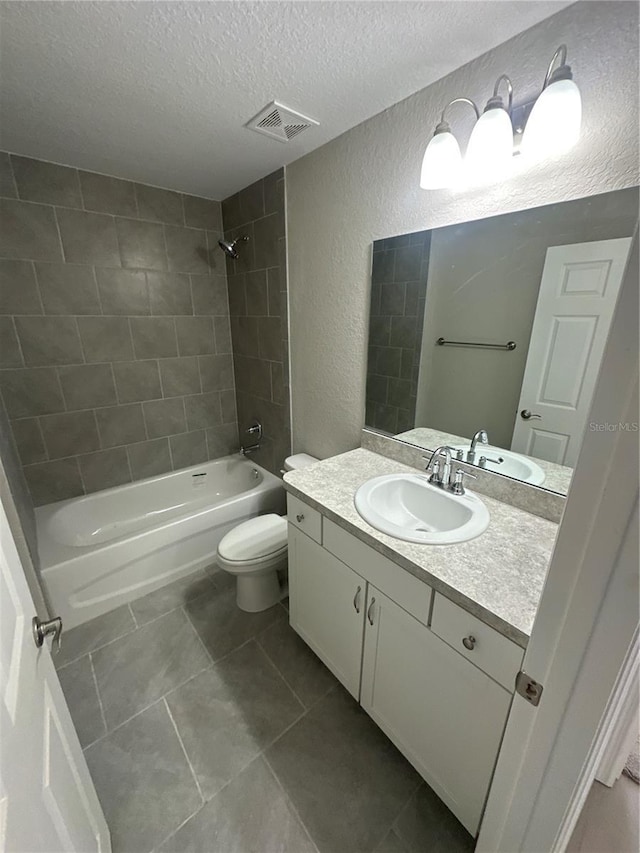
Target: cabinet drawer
(410,593)
(302,516)
(491,652)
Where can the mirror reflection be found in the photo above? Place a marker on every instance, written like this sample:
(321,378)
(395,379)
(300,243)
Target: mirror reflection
(487,336)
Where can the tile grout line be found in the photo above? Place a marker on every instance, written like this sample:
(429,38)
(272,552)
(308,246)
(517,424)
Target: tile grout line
(394,823)
(275,667)
(290,802)
(95,681)
(185,613)
(173,832)
(150,705)
(96,649)
(182,746)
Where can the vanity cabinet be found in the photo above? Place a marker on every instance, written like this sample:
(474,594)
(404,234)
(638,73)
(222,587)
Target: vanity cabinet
(443,713)
(437,680)
(326,607)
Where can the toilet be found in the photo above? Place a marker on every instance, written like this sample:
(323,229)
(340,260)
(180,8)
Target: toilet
(256,550)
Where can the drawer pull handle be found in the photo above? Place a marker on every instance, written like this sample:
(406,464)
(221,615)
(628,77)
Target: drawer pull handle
(469,642)
(300,517)
(370,611)
(356,600)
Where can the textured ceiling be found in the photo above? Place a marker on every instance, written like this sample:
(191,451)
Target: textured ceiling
(159,92)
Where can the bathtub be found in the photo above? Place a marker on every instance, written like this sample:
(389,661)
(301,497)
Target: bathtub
(108,548)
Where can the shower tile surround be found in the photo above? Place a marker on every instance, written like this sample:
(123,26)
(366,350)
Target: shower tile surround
(399,284)
(116,360)
(259,316)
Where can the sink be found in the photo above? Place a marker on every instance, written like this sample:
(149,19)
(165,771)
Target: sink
(408,507)
(515,465)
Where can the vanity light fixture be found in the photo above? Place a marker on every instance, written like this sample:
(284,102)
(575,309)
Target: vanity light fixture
(554,124)
(490,146)
(442,162)
(552,127)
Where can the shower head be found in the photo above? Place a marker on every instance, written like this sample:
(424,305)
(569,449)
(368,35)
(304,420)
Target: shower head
(229,246)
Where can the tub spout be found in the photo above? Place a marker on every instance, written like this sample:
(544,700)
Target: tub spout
(251,448)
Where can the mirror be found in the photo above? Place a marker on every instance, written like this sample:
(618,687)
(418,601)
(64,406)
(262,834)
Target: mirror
(498,325)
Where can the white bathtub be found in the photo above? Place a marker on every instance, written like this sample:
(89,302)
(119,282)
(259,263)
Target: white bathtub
(108,548)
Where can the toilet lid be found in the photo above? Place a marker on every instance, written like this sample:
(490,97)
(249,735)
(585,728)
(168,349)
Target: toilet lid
(259,537)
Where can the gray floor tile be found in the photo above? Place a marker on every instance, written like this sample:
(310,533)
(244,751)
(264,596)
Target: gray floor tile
(143,781)
(303,671)
(222,626)
(427,824)
(228,714)
(171,596)
(251,815)
(392,844)
(82,698)
(345,778)
(91,635)
(140,668)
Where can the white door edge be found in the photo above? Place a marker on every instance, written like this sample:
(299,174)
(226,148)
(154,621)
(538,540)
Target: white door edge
(599,515)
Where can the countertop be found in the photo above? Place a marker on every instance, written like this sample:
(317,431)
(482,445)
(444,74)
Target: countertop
(497,576)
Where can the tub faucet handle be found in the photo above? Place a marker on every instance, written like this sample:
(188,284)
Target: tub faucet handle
(255,429)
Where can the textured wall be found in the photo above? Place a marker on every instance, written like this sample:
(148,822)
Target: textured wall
(364,186)
(115,357)
(259,317)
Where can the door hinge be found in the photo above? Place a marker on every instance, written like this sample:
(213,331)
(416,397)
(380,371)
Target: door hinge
(528,688)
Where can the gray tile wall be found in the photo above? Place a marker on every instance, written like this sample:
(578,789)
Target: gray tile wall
(12,479)
(398,290)
(259,316)
(115,356)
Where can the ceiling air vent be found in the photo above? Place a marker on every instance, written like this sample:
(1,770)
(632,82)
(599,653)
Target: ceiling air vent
(280,122)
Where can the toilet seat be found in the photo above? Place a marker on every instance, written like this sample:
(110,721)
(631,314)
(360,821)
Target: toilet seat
(255,541)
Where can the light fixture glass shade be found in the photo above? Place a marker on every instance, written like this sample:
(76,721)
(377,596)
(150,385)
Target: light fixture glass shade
(554,124)
(490,148)
(442,162)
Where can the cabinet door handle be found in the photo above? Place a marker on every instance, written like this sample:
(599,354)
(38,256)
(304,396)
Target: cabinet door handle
(300,517)
(370,611)
(356,600)
(469,642)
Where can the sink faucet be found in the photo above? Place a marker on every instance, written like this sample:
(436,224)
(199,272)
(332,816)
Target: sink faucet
(482,437)
(437,477)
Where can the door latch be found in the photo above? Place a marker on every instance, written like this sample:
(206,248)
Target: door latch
(49,628)
(528,688)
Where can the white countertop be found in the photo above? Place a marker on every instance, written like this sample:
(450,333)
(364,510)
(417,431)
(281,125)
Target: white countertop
(498,576)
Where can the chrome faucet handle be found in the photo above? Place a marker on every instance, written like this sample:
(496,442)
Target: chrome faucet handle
(435,477)
(458,486)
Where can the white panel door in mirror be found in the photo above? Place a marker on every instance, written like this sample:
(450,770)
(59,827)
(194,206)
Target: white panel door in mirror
(577,298)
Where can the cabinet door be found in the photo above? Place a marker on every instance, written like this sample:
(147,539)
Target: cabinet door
(326,607)
(443,714)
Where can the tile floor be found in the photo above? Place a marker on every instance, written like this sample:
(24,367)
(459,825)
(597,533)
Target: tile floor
(209,729)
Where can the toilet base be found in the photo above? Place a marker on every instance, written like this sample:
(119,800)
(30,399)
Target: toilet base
(256,592)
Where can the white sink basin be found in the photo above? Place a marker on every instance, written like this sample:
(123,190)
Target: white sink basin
(514,465)
(408,507)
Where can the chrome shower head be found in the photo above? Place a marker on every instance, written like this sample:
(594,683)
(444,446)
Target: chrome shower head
(229,246)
